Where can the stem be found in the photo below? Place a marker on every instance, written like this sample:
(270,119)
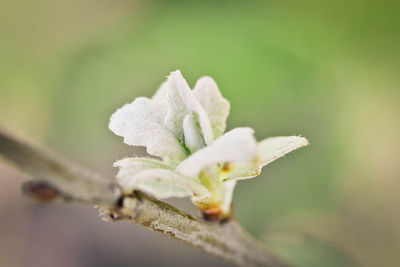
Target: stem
(226,241)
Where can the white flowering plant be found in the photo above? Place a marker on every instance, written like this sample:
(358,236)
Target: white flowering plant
(189,153)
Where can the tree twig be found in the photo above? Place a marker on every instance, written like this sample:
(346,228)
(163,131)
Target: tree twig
(55,176)
(70,179)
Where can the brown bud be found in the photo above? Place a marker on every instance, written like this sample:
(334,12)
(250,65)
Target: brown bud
(214,214)
(40,191)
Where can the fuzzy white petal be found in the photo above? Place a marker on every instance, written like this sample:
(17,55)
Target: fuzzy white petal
(193,138)
(237,145)
(273,148)
(157,178)
(217,108)
(135,165)
(269,150)
(242,170)
(160,99)
(161,93)
(181,101)
(162,189)
(141,124)
(227,195)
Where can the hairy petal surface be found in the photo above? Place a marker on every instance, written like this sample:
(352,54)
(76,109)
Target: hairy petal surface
(156,178)
(217,108)
(237,145)
(181,101)
(273,148)
(141,124)
(160,99)
(269,150)
(227,195)
(162,189)
(137,164)
(185,129)
(193,138)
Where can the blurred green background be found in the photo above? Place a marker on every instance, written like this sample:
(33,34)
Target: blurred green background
(327,70)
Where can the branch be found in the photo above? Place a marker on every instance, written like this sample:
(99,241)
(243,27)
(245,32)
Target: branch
(55,178)
(73,181)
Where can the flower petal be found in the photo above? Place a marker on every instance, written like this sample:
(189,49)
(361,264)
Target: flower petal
(135,165)
(227,196)
(217,108)
(237,145)
(161,93)
(181,101)
(242,170)
(163,189)
(156,178)
(273,148)
(141,124)
(269,150)
(193,138)
(160,98)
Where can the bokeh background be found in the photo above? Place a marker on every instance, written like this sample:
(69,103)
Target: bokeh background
(327,70)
